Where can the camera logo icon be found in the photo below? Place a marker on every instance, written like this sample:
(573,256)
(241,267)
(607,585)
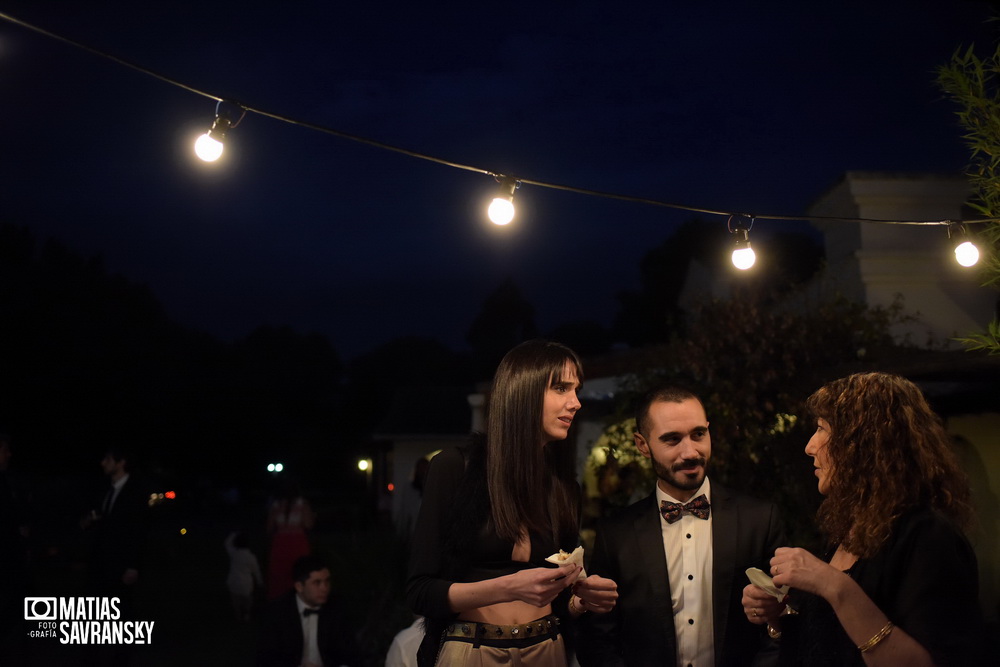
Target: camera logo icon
(40,609)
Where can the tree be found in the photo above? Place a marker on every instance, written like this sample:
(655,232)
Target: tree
(974,84)
(505,320)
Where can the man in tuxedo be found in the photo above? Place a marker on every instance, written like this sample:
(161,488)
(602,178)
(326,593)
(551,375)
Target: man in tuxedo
(679,556)
(302,627)
(119,524)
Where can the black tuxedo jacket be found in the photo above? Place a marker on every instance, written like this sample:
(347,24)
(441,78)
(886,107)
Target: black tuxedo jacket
(281,638)
(121,535)
(640,631)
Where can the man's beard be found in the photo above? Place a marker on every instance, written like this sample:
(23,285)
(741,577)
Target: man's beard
(675,477)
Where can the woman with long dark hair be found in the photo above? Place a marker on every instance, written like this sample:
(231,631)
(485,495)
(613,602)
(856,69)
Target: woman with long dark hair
(492,513)
(899,583)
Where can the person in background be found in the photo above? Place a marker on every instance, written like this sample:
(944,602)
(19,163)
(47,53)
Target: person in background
(288,519)
(898,584)
(244,575)
(403,649)
(679,555)
(14,570)
(304,627)
(492,513)
(119,522)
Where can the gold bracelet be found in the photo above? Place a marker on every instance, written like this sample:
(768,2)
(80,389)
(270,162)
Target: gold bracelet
(575,609)
(877,639)
(773,632)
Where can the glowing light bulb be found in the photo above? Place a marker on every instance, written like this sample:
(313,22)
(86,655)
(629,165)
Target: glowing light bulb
(209,145)
(501,211)
(363,464)
(743,255)
(207,148)
(966,253)
(744,258)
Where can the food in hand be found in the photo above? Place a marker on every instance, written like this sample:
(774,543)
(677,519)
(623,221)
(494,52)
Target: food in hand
(562,558)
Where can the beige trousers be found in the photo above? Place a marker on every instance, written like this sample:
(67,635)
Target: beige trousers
(549,653)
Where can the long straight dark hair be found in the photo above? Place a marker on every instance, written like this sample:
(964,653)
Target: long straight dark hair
(530,486)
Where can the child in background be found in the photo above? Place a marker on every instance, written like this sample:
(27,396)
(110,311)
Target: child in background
(244,575)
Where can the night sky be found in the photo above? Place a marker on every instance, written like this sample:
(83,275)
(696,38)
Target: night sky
(738,106)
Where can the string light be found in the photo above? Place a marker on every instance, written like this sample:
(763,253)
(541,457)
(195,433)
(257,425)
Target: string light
(209,146)
(743,255)
(501,210)
(218,131)
(966,252)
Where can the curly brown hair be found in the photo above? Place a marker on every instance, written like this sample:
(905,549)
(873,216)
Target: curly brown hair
(889,453)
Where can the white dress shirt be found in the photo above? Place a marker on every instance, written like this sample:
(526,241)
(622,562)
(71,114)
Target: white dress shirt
(310,626)
(687,544)
(116,488)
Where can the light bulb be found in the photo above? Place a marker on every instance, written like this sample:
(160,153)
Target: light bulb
(966,253)
(501,211)
(209,145)
(207,148)
(744,257)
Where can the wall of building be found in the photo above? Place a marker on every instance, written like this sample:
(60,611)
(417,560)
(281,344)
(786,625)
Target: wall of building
(978,441)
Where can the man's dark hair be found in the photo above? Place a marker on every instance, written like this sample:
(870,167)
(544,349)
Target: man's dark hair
(673,392)
(119,453)
(305,566)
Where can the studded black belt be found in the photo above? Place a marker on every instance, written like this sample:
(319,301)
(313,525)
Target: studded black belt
(503,636)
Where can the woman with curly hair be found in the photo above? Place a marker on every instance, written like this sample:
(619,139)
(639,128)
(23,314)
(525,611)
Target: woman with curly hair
(899,583)
(491,515)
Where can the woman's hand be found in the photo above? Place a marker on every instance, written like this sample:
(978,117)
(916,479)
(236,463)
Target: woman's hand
(800,569)
(539,586)
(596,594)
(760,606)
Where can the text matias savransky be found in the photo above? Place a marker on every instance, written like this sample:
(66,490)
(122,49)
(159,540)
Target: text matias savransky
(85,620)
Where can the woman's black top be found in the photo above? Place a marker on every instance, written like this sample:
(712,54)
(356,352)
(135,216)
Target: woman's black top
(924,579)
(452,541)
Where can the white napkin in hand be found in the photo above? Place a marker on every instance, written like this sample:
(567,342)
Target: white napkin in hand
(760,579)
(561,558)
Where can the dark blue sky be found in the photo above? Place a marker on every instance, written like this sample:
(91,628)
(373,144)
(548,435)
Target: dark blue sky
(730,105)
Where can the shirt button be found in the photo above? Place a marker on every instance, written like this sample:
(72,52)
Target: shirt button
(690,621)
(690,577)
(689,536)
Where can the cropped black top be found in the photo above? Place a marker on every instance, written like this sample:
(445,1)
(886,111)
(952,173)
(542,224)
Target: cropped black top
(452,542)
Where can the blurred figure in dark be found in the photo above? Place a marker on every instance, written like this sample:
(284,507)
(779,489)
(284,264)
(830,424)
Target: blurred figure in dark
(303,626)
(288,519)
(13,555)
(244,575)
(118,525)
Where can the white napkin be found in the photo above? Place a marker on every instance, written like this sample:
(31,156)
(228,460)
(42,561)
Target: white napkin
(760,579)
(561,558)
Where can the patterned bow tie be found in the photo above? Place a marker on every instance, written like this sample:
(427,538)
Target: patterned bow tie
(309,610)
(698,507)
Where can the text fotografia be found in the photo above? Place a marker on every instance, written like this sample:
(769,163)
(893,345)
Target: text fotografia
(84,620)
